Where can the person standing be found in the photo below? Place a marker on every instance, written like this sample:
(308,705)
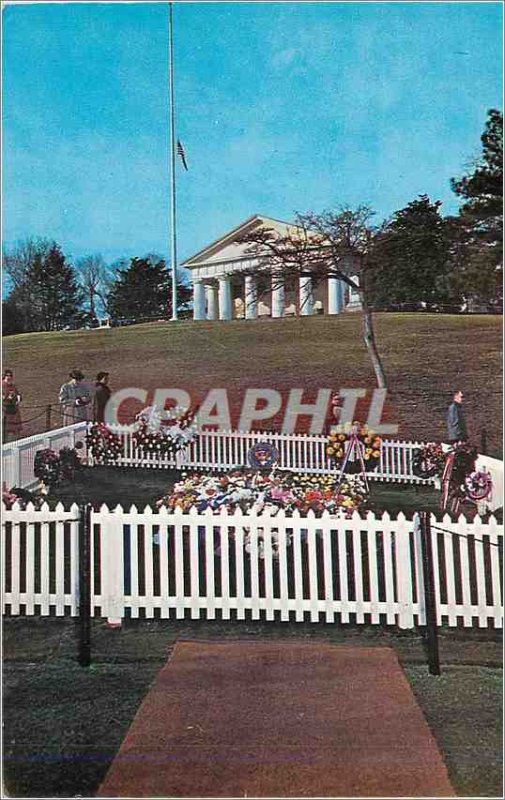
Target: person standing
(74,399)
(11,417)
(456,423)
(101,397)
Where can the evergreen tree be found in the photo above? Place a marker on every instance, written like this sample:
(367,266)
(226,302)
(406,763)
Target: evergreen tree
(477,232)
(143,290)
(56,296)
(483,188)
(410,259)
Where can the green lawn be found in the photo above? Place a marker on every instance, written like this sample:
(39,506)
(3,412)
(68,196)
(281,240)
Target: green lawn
(63,724)
(425,355)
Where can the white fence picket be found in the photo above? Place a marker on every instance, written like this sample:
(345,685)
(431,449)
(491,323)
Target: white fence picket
(496,584)
(287,563)
(387,549)
(194,565)
(463,544)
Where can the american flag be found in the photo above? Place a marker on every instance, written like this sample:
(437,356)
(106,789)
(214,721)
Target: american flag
(182,154)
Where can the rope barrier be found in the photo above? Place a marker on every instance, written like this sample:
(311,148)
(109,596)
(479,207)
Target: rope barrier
(462,535)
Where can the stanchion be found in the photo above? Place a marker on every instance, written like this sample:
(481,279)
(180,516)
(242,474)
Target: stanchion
(430,603)
(483,442)
(354,450)
(84,656)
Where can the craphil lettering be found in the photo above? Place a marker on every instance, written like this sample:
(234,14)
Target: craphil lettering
(223,410)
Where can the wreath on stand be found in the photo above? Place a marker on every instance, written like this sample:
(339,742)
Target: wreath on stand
(263,455)
(350,447)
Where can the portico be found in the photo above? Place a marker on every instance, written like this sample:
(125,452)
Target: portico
(227,284)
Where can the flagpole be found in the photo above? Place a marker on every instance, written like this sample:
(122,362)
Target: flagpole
(173,242)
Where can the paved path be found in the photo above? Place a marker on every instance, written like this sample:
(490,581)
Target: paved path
(278,719)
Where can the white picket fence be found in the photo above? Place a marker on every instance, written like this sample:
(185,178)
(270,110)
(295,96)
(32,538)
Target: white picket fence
(223,450)
(241,566)
(18,457)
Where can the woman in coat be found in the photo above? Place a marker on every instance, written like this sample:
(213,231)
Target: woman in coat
(11,417)
(74,399)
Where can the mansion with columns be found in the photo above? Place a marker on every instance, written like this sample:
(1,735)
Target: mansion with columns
(226,283)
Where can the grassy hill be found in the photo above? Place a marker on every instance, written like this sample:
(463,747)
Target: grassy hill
(426,356)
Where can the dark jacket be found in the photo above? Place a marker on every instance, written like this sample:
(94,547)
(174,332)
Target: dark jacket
(102,394)
(456,425)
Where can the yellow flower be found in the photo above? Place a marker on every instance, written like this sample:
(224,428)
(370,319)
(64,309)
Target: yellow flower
(376,453)
(341,437)
(330,451)
(367,457)
(367,440)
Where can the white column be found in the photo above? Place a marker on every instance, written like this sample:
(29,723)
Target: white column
(354,301)
(334,306)
(277,296)
(225,310)
(211,301)
(250,297)
(341,295)
(198,300)
(306,296)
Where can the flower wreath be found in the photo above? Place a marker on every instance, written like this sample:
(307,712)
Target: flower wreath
(104,446)
(478,485)
(368,441)
(46,466)
(262,455)
(428,461)
(165,432)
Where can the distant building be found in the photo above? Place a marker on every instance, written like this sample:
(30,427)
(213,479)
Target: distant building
(226,286)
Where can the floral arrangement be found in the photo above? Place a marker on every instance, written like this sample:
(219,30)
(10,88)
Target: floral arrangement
(478,485)
(10,402)
(70,463)
(340,441)
(51,467)
(254,491)
(20,496)
(428,461)
(465,456)
(47,467)
(166,434)
(103,445)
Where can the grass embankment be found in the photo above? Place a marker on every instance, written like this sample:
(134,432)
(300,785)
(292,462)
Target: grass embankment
(63,724)
(425,356)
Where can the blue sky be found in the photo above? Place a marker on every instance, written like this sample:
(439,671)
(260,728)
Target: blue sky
(282,107)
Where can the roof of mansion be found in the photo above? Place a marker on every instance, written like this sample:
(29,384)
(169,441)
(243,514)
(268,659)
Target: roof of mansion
(229,248)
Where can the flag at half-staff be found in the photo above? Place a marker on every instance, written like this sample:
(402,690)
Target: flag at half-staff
(182,155)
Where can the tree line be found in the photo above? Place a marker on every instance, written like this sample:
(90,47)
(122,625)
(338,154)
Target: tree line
(418,258)
(50,293)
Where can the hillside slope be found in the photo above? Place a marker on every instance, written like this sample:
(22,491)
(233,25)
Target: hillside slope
(426,356)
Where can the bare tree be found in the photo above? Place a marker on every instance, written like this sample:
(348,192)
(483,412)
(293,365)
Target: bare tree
(329,244)
(92,273)
(18,263)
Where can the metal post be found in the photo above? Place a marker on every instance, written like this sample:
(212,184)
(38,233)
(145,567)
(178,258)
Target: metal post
(48,418)
(173,213)
(483,442)
(429,594)
(85,578)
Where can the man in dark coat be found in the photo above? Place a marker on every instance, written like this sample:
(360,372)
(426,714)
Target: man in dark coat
(101,396)
(456,424)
